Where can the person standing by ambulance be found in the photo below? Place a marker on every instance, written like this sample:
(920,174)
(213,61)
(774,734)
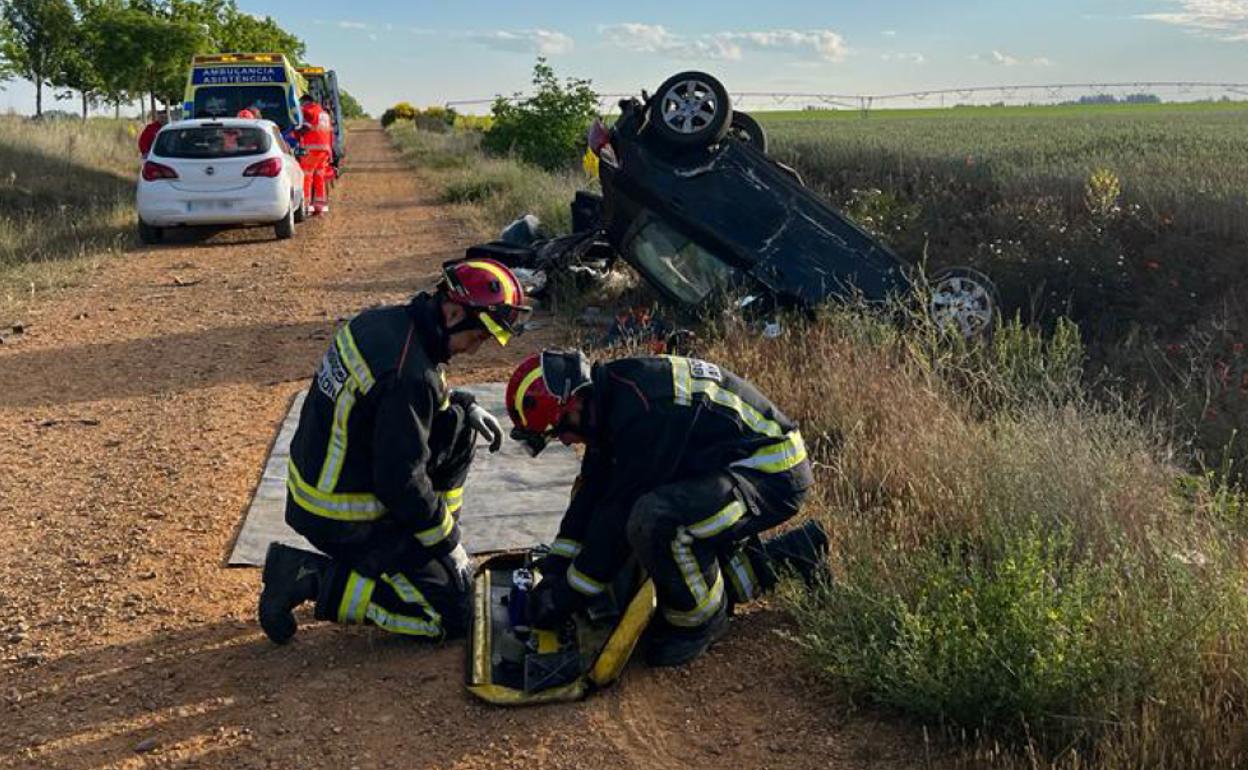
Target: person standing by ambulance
(316,138)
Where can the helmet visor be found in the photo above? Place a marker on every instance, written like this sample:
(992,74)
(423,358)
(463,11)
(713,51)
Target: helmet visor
(504,321)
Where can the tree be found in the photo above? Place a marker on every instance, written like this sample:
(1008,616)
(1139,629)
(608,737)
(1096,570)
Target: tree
(244,33)
(148,54)
(350,107)
(36,39)
(546,129)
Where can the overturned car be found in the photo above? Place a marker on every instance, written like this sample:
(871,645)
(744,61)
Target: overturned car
(692,201)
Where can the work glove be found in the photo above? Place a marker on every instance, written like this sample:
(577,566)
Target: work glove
(487,425)
(550,603)
(458,566)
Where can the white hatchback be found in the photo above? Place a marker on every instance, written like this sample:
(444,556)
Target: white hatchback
(220,172)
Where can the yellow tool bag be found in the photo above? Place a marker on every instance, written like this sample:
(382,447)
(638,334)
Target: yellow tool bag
(510,664)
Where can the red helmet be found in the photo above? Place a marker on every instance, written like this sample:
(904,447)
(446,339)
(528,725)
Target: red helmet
(540,391)
(246,113)
(490,292)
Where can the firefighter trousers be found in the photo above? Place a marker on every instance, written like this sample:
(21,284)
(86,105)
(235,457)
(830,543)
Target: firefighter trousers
(682,532)
(384,576)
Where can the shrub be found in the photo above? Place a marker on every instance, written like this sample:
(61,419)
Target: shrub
(546,129)
(400,111)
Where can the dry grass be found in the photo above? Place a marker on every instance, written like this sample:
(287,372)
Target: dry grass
(1013,562)
(66,194)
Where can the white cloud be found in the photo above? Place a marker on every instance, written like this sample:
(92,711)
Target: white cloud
(351,25)
(1221,19)
(1002,59)
(544,42)
(902,56)
(889,33)
(655,38)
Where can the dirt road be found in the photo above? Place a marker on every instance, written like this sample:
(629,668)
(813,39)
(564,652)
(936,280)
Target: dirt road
(135,414)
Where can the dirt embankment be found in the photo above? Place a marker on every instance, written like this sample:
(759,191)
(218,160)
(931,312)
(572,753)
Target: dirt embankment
(135,414)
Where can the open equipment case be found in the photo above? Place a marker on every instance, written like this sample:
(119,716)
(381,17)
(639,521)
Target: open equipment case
(510,664)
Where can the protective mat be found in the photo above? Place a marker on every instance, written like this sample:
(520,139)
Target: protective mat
(511,500)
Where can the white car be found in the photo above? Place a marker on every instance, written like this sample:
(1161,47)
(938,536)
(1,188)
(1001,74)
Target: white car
(220,172)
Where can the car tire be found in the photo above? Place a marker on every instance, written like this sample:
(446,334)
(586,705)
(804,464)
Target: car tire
(301,211)
(747,130)
(149,235)
(965,299)
(285,227)
(690,109)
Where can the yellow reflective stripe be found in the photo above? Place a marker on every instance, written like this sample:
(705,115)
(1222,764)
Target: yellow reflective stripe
(336,451)
(355,598)
(500,334)
(712,525)
(411,594)
(353,359)
(565,547)
(438,532)
(508,282)
(584,584)
(687,563)
(341,506)
(776,458)
(742,575)
(703,611)
(402,624)
(446,392)
(528,381)
(749,415)
(682,378)
(454,499)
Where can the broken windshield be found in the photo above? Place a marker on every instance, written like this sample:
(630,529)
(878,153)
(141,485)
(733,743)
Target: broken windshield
(677,264)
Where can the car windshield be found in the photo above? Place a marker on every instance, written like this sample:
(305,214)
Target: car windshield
(212,142)
(268,102)
(676,263)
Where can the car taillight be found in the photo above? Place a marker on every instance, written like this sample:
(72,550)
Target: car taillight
(270,167)
(598,137)
(153,171)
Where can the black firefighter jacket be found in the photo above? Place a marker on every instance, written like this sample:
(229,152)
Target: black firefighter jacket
(362,446)
(654,421)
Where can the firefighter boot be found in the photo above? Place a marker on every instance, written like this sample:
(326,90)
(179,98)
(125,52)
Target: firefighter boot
(291,577)
(672,646)
(802,551)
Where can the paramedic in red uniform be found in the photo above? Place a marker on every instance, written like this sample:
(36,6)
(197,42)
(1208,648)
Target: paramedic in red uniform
(316,137)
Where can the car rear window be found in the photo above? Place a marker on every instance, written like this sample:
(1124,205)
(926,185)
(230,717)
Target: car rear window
(212,142)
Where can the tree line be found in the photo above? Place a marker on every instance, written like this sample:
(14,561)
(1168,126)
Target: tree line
(114,52)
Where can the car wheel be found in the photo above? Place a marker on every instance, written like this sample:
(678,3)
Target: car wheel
(301,211)
(149,235)
(691,109)
(964,300)
(746,129)
(285,227)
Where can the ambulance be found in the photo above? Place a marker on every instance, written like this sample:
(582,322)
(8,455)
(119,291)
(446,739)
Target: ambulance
(220,85)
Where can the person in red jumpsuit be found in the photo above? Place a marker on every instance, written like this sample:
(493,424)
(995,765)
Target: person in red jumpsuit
(148,136)
(316,137)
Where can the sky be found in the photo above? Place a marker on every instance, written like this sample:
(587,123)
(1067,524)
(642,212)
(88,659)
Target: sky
(426,53)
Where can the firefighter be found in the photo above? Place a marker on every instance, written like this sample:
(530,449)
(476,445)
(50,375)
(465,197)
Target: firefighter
(685,464)
(316,138)
(377,465)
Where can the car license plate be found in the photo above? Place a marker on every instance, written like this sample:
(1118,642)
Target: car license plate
(209,205)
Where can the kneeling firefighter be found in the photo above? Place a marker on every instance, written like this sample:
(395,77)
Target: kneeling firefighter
(685,464)
(379,459)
